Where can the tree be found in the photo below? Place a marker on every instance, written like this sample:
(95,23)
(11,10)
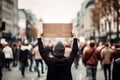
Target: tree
(97,13)
(116,7)
(102,9)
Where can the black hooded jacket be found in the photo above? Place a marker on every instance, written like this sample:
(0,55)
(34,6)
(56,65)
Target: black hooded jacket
(59,67)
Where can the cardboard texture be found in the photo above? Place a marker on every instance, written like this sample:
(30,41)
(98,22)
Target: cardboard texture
(57,30)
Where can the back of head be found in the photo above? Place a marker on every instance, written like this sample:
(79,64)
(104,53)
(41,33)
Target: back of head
(106,44)
(59,49)
(92,43)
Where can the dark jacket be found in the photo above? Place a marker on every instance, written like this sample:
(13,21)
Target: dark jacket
(2,59)
(59,67)
(116,64)
(23,55)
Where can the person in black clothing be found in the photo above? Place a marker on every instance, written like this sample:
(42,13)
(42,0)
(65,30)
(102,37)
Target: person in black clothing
(77,58)
(23,58)
(116,63)
(59,66)
(49,49)
(2,59)
(15,57)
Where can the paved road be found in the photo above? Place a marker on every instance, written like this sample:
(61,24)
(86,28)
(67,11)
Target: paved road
(78,74)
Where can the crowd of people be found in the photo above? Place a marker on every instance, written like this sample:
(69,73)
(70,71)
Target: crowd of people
(59,58)
(21,54)
(108,54)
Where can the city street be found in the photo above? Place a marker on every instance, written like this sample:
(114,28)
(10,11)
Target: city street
(78,74)
(32,30)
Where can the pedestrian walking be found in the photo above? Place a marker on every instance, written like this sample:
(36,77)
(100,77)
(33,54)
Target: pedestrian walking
(7,50)
(15,54)
(90,60)
(59,66)
(116,63)
(38,59)
(49,48)
(30,57)
(23,57)
(77,58)
(2,59)
(99,48)
(106,54)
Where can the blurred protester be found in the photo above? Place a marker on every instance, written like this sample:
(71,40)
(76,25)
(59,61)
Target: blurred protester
(38,59)
(19,44)
(7,50)
(116,63)
(49,48)
(15,54)
(77,58)
(2,59)
(23,57)
(30,57)
(59,66)
(106,55)
(90,60)
(99,48)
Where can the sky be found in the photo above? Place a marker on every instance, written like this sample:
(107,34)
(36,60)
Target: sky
(52,11)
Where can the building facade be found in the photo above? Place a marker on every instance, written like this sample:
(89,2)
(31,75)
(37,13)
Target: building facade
(84,22)
(9,15)
(27,20)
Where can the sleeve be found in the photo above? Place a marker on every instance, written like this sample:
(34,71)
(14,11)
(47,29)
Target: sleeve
(74,51)
(102,55)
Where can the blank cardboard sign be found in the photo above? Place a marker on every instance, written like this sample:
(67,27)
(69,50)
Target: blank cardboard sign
(57,30)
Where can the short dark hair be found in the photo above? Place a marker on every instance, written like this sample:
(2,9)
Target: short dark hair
(106,44)
(92,43)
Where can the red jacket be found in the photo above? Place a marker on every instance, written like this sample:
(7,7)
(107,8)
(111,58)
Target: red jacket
(93,60)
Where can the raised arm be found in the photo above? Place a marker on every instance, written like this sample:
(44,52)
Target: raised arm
(42,50)
(74,50)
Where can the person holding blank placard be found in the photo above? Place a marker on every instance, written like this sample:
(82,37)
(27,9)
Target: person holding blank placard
(59,66)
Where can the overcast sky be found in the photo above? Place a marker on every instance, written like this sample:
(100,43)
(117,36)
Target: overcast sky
(52,10)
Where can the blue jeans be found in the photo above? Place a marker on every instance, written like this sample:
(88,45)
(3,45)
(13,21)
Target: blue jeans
(22,68)
(91,72)
(31,63)
(37,66)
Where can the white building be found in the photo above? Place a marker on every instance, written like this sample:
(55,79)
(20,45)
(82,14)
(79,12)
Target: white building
(9,15)
(84,22)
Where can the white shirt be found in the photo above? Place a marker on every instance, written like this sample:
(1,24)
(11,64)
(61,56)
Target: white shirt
(8,52)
